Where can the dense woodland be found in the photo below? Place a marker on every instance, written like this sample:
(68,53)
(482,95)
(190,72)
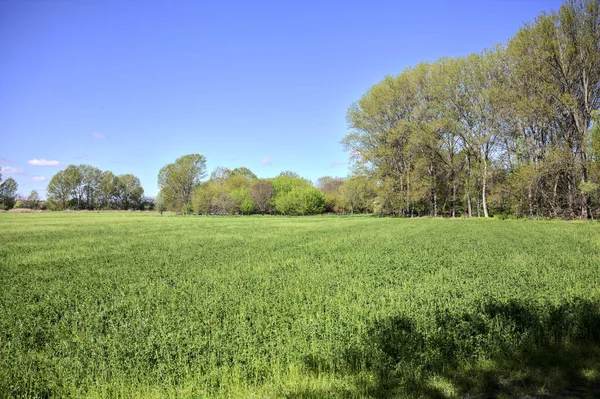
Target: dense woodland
(514,130)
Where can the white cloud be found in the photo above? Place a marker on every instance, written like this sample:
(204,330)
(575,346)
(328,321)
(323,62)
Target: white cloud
(98,136)
(43,162)
(38,178)
(10,171)
(266,161)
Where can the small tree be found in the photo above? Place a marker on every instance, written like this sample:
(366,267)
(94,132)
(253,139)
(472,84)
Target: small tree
(8,192)
(33,201)
(261,192)
(160,203)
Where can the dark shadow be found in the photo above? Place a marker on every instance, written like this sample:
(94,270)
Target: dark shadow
(500,350)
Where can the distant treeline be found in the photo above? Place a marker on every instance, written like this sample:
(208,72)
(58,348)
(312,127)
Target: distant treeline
(87,187)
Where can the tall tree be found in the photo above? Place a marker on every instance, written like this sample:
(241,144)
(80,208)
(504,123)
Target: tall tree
(178,180)
(561,51)
(60,189)
(130,191)
(109,190)
(90,182)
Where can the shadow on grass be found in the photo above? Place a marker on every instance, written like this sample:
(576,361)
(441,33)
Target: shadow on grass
(500,350)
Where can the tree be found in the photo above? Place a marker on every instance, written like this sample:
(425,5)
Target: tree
(243,201)
(33,201)
(60,189)
(243,171)
(160,203)
(90,180)
(130,191)
(261,192)
(87,187)
(220,174)
(109,190)
(330,186)
(178,180)
(8,193)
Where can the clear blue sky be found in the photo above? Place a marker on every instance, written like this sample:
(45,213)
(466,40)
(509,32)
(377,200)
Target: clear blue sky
(131,85)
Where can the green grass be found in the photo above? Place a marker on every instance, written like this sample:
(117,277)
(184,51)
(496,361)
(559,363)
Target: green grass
(139,305)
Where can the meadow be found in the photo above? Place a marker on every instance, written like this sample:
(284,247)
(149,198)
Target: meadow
(141,305)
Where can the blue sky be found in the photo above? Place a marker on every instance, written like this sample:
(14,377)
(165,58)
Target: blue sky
(130,86)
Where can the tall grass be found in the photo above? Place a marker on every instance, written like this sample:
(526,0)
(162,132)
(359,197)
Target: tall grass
(115,305)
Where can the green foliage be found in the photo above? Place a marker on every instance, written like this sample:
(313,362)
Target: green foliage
(160,203)
(300,201)
(240,192)
(19,204)
(289,203)
(286,181)
(242,199)
(178,180)
(354,307)
(589,187)
(293,195)
(87,187)
(445,137)
(187,209)
(313,201)
(33,201)
(8,192)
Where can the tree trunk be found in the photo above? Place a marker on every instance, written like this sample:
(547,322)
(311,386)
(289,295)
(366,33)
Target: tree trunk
(434,203)
(530,201)
(483,190)
(586,212)
(453,198)
(408,193)
(468,189)
(570,199)
(554,194)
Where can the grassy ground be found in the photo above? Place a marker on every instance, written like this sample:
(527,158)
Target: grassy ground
(139,305)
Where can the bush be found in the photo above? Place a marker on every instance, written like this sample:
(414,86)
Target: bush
(187,209)
(301,201)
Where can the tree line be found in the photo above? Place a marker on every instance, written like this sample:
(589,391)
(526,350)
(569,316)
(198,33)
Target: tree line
(234,191)
(87,187)
(240,192)
(512,130)
(8,192)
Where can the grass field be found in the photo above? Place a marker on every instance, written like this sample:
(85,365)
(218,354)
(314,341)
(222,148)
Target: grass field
(139,305)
